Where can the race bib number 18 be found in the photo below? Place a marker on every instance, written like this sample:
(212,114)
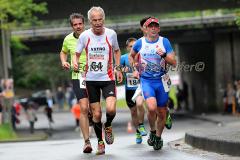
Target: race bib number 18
(131,81)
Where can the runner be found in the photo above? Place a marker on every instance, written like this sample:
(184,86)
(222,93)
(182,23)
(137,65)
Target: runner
(155,51)
(136,107)
(138,92)
(69,47)
(101,46)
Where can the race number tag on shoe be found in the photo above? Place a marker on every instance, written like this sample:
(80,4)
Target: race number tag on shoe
(166,82)
(82,81)
(131,81)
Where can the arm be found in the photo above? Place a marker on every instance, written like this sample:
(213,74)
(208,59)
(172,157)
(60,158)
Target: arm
(63,58)
(117,63)
(131,58)
(79,49)
(76,60)
(170,58)
(132,62)
(169,55)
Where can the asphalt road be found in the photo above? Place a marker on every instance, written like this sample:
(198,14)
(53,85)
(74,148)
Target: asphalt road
(66,144)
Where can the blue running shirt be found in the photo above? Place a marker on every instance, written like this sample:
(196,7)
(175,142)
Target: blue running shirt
(151,65)
(131,83)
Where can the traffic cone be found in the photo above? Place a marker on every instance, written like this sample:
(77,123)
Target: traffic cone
(129,127)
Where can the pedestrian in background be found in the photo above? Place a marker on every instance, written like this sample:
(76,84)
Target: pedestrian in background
(60,98)
(31,116)
(238,96)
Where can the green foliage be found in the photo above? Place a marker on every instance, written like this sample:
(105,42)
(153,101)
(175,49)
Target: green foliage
(22,12)
(17,46)
(6,132)
(38,71)
(238,17)
(121,103)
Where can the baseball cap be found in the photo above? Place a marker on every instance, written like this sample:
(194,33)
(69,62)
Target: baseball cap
(151,20)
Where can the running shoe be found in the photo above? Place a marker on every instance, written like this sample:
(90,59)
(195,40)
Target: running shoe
(151,139)
(168,123)
(158,143)
(101,148)
(87,147)
(109,137)
(142,130)
(138,138)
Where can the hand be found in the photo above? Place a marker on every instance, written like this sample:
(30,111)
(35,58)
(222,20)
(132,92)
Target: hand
(66,65)
(75,66)
(119,76)
(161,53)
(136,74)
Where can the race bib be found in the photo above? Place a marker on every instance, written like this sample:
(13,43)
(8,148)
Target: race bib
(166,81)
(98,66)
(82,81)
(131,81)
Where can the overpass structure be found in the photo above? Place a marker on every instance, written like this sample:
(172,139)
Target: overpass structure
(132,27)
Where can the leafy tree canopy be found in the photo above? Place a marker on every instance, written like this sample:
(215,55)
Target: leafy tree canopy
(15,12)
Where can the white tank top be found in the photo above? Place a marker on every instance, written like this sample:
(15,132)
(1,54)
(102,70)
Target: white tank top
(99,52)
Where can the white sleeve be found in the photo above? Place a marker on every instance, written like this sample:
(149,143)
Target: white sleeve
(80,43)
(115,41)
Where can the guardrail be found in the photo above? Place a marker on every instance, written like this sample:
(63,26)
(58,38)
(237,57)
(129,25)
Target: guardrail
(132,26)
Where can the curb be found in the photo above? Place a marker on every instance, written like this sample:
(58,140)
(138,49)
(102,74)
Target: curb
(226,142)
(220,146)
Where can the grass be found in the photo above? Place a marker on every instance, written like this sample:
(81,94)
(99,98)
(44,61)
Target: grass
(121,103)
(6,132)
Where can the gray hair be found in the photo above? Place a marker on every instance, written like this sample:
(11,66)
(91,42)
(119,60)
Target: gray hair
(98,9)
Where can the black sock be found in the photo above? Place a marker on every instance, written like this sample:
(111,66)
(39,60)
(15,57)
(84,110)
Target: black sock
(153,132)
(87,141)
(109,119)
(98,130)
(137,131)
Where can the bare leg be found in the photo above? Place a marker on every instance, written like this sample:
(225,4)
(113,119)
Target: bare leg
(134,116)
(152,107)
(84,122)
(111,105)
(161,119)
(140,108)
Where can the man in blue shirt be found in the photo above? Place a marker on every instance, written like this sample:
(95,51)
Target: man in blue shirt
(131,84)
(155,52)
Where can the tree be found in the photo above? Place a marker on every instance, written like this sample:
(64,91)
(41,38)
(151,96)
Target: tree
(13,14)
(20,12)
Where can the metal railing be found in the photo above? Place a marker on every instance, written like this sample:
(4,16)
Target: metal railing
(132,26)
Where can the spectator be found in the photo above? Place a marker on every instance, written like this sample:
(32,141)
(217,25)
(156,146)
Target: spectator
(14,118)
(1,107)
(31,116)
(238,97)
(49,98)
(69,96)
(60,98)
(230,97)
